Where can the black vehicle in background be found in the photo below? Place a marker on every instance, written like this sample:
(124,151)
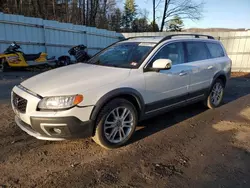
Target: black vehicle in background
(79,52)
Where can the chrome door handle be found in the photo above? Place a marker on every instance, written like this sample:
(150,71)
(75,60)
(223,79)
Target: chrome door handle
(183,73)
(210,67)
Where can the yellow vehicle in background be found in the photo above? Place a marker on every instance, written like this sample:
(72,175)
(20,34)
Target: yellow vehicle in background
(14,58)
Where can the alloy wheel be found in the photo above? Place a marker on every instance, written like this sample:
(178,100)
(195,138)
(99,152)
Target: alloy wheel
(118,124)
(217,94)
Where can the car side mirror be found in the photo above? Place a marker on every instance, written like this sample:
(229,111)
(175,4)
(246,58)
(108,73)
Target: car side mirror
(162,64)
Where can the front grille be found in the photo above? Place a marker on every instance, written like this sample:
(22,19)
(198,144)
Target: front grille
(19,103)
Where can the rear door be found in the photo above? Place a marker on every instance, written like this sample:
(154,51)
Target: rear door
(202,67)
(219,59)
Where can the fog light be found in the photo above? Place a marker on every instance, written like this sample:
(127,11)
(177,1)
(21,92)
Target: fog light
(56,130)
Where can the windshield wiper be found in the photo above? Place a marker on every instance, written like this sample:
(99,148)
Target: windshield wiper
(111,65)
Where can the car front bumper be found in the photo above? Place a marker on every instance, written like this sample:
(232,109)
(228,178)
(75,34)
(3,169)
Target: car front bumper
(50,125)
(43,128)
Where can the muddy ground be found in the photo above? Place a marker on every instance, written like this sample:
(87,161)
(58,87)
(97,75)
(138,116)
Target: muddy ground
(189,147)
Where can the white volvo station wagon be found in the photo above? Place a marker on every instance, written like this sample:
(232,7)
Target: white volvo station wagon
(127,82)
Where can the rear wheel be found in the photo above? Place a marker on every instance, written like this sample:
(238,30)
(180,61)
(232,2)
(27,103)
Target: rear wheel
(216,94)
(115,124)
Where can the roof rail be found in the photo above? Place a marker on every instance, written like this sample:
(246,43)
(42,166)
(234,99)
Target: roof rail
(184,34)
(142,37)
(174,35)
(171,36)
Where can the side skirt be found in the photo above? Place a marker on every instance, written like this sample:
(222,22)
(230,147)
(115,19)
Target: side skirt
(163,106)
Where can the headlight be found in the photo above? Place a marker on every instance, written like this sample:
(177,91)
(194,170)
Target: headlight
(60,102)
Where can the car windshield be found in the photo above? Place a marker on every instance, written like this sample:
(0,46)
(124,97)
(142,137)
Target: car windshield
(124,55)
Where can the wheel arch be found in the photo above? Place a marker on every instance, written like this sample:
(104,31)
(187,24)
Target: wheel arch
(129,94)
(220,75)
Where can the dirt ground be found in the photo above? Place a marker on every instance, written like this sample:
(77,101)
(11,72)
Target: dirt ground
(189,147)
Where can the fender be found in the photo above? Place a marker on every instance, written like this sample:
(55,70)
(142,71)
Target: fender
(116,93)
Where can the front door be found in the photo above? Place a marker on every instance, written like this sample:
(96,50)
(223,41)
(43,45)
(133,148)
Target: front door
(167,87)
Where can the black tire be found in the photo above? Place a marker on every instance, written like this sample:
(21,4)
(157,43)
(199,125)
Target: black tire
(100,137)
(67,61)
(63,61)
(3,65)
(209,101)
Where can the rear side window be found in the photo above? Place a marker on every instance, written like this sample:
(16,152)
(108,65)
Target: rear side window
(215,50)
(197,51)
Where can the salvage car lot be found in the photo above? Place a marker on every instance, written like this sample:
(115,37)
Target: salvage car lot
(189,147)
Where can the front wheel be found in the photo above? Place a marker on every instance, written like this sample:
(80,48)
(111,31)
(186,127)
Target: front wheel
(3,65)
(115,124)
(216,94)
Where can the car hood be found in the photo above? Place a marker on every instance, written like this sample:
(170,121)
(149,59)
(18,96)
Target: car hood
(74,79)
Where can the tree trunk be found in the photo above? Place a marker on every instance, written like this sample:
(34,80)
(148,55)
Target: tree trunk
(16,8)
(91,12)
(54,9)
(34,5)
(79,13)
(87,13)
(83,13)
(153,15)
(30,12)
(66,11)
(95,12)
(39,9)
(164,14)
(21,7)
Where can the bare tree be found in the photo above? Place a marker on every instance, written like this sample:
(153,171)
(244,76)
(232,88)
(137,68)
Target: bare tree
(97,13)
(143,13)
(185,9)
